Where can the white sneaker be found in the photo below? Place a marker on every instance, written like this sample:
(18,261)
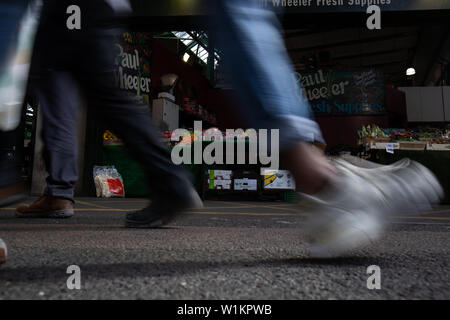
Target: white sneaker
(3,252)
(351,212)
(414,183)
(359,162)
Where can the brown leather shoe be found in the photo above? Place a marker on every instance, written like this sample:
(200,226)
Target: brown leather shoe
(13,193)
(46,207)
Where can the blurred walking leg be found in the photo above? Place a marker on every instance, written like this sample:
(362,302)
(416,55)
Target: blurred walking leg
(11,190)
(347,204)
(88,55)
(258,64)
(171,190)
(11,187)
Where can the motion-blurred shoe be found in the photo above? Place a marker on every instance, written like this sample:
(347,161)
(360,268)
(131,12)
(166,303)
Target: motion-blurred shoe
(3,252)
(163,210)
(414,182)
(347,160)
(46,207)
(13,193)
(352,211)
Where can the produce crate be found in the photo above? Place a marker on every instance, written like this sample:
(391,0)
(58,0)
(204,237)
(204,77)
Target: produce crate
(438,147)
(374,140)
(383,145)
(412,145)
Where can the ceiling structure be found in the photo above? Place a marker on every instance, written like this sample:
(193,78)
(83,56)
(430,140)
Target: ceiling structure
(408,38)
(391,50)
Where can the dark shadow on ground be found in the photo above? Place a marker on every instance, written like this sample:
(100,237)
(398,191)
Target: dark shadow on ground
(173,268)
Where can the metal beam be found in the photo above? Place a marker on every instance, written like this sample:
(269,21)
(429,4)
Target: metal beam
(369,54)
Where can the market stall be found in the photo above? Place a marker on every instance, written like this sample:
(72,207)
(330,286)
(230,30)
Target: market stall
(428,145)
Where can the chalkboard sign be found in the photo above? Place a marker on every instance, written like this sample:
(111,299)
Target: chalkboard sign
(356,92)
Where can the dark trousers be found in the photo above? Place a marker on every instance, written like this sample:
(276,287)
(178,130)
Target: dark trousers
(65,60)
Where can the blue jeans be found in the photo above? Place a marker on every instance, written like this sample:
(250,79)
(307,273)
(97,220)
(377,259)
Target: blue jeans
(85,60)
(261,72)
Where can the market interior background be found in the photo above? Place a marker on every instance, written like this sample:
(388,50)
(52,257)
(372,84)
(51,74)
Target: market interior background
(329,45)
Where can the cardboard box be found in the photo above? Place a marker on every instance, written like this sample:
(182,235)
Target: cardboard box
(246,184)
(384,145)
(412,145)
(220,179)
(438,147)
(277,179)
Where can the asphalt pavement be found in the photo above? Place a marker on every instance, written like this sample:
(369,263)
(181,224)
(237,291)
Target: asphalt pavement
(227,250)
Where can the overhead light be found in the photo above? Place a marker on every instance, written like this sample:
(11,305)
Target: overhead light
(186,57)
(410,72)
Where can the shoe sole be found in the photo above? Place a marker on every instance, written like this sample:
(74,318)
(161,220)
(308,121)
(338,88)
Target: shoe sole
(196,203)
(342,236)
(57,214)
(146,225)
(161,222)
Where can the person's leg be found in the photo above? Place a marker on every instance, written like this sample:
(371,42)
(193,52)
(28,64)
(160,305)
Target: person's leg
(257,62)
(58,101)
(171,190)
(349,204)
(89,55)
(55,88)
(11,190)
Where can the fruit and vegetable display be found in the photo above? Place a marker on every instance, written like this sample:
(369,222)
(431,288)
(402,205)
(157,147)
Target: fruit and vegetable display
(434,135)
(213,132)
(372,131)
(193,108)
(421,135)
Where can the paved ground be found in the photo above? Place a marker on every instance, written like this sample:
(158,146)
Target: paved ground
(228,250)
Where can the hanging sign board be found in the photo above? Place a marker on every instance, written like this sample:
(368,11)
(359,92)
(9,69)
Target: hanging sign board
(198,7)
(352,92)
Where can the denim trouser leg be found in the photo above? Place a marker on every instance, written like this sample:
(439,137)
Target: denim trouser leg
(261,72)
(58,100)
(87,58)
(129,119)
